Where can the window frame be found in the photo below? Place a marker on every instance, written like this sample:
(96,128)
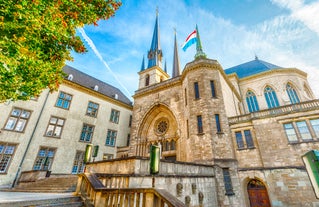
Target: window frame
(55,126)
(213,89)
(115,119)
(110,135)
(93,110)
(7,162)
(218,124)
(200,124)
(196,91)
(44,159)
(17,118)
(251,101)
(78,162)
(227,182)
(63,100)
(271,97)
(86,133)
(292,94)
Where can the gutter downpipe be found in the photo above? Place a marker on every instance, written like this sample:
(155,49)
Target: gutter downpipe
(30,140)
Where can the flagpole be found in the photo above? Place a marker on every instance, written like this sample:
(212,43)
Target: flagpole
(199,49)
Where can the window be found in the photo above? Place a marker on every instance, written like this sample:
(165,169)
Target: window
(218,126)
(187,128)
(115,116)
(92,109)
(6,153)
(303,130)
(87,132)
(196,90)
(271,97)
(249,139)
(55,127)
(239,140)
(248,143)
(78,164)
(290,132)
(128,140)
(64,100)
(212,87)
(17,120)
(185,91)
(44,159)
(107,156)
(252,101)
(130,121)
(292,94)
(199,124)
(227,182)
(111,138)
(147,80)
(315,126)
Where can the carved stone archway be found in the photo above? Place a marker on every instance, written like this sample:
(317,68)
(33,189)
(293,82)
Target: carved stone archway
(158,127)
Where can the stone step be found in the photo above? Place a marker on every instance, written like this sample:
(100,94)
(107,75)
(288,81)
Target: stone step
(72,201)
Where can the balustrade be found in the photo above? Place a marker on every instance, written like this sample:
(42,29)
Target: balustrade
(304,106)
(92,190)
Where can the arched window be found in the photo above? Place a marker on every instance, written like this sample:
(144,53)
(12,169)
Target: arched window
(252,101)
(147,80)
(307,90)
(271,97)
(292,94)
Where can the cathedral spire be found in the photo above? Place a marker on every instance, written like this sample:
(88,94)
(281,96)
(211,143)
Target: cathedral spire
(176,70)
(143,64)
(155,52)
(199,49)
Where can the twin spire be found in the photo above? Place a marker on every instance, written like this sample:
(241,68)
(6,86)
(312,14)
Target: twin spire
(155,53)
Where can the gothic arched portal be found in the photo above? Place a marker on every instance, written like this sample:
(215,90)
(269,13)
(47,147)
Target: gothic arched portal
(257,193)
(158,127)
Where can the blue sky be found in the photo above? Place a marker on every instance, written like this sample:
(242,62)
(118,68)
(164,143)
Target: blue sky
(282,32)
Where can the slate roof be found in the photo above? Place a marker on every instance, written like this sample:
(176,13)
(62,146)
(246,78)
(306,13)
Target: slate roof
(251,68)
(90,82)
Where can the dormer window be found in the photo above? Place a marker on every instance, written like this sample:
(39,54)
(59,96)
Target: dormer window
(70,77)
(96,87)
(116,96)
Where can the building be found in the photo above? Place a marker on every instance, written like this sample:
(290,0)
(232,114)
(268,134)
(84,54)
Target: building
(252,123)
(51,131)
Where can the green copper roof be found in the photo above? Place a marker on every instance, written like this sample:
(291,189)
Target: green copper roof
(251,68)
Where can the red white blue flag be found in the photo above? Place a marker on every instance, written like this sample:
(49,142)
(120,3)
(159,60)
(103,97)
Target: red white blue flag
(191,39)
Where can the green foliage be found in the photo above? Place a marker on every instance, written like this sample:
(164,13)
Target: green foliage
(36,39)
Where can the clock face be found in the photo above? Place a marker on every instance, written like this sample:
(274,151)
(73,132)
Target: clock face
(161,126)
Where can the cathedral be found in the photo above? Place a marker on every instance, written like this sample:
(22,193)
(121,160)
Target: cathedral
(243,136)
(252,123)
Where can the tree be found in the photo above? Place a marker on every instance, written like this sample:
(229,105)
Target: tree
(36,38)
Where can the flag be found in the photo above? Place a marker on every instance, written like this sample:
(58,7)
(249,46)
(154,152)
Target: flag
(191,39)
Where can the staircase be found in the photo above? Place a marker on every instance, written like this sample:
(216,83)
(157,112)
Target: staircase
(61,184)
(68,201)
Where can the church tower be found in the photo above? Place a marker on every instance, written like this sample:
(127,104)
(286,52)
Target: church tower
(154,73)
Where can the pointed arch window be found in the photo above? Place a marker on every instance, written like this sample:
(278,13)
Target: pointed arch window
(147,80)
(252,101)
(292,94)
(271,97)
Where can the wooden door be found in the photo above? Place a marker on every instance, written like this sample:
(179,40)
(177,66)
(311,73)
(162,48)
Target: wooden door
(257,193)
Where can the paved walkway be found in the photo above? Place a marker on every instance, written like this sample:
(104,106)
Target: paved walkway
(6,197)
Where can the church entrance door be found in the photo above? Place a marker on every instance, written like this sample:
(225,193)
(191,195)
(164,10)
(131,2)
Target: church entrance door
(257,193)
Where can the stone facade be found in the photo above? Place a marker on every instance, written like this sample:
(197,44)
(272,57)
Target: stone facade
(266,156)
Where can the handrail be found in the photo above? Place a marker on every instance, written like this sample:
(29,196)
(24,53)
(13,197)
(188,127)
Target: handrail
(282,110)
(96,194)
